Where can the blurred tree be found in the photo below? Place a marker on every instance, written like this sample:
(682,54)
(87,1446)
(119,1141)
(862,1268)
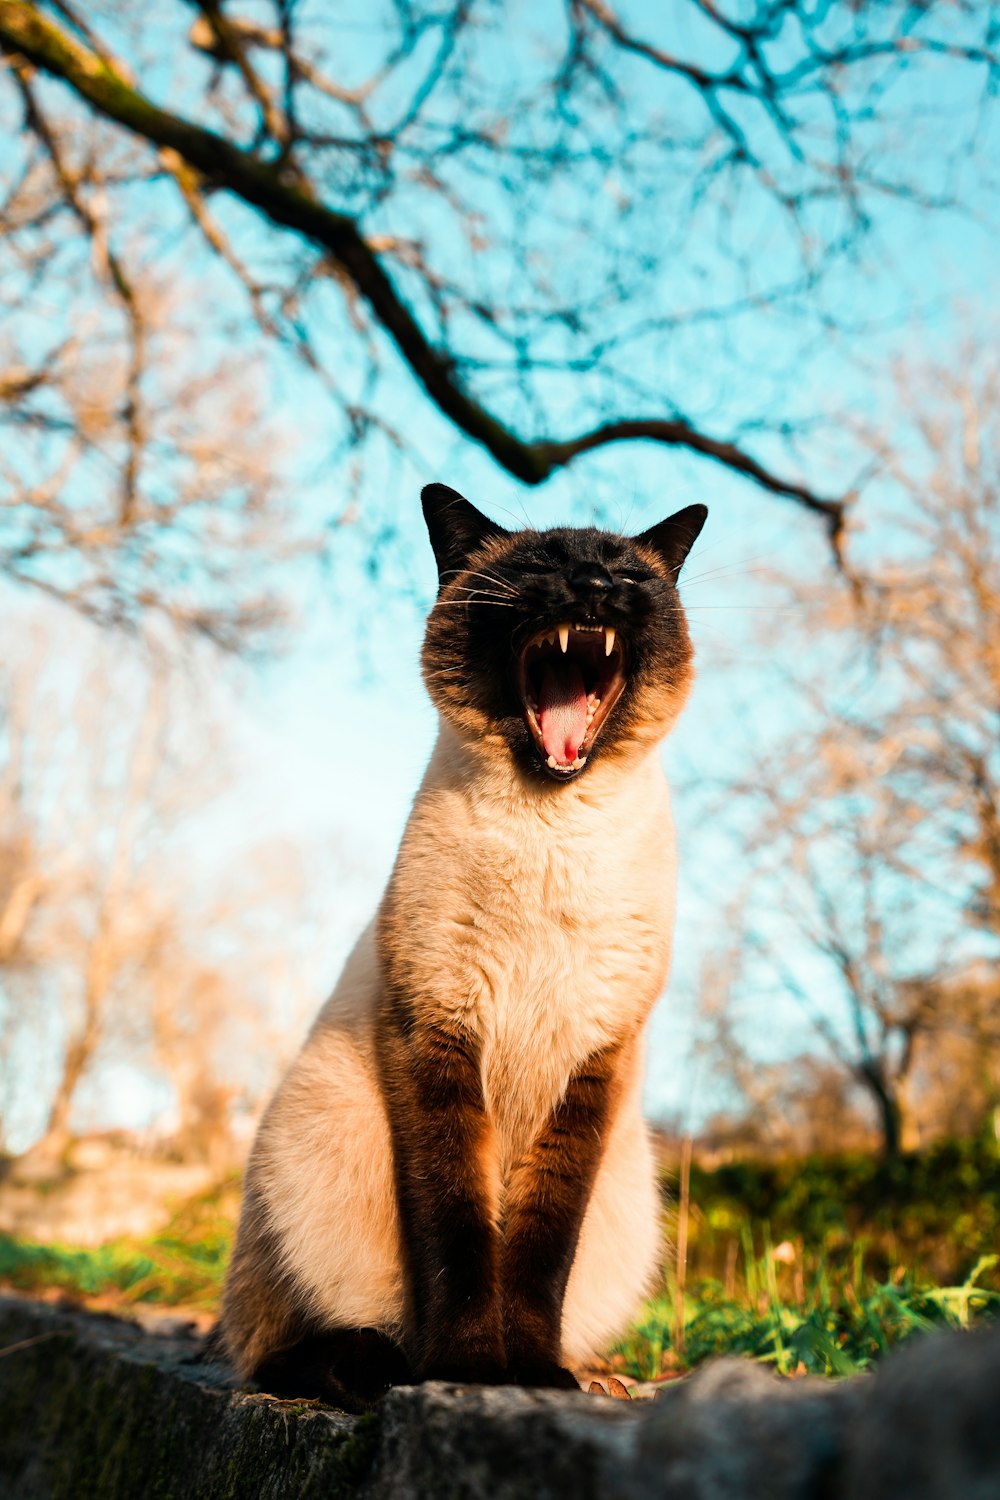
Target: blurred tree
(544,213)
(114,931)
(875,897)
(115,950)
(21,882)
(805,1106)
(809,1102)
(954,1085)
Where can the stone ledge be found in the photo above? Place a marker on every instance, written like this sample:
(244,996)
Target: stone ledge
(95,1407)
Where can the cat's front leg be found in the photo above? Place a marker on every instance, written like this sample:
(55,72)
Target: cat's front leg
(447,1186)
(546,1201)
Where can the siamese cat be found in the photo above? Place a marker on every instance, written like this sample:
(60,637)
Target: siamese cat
(454,1180)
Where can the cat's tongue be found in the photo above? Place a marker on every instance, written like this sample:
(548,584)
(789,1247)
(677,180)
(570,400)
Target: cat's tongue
(562,711)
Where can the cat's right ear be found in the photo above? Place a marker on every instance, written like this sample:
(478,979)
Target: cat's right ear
(456,528)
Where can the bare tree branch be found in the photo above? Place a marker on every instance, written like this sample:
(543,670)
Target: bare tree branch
(290,203)
(123,288)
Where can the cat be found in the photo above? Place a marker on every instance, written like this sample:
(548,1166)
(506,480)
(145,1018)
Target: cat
(454,1180)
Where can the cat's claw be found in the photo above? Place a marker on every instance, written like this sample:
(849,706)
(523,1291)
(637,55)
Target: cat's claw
(615,1388)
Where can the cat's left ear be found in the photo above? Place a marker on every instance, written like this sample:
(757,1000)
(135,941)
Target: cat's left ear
(673,538)
(456,527)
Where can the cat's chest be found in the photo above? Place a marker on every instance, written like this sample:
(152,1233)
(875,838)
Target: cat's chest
(576,942)
(565,933)
(569,964)
(547,937)
(537,924)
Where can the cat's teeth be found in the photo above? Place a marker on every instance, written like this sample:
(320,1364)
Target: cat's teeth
(550,639)
(553,762)
(563,633)
(609,640)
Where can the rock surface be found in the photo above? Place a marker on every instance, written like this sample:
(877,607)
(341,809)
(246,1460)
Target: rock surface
(95,1407)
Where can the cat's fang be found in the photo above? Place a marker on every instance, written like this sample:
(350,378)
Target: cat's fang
(609,640)
(564,639)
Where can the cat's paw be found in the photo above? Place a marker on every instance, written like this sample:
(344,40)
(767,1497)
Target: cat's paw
(546,1374)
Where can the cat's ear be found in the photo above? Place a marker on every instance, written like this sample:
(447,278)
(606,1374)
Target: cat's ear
(673,538)
(457,528)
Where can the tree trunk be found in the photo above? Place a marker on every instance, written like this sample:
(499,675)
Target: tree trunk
(79,1051)
(890,1114)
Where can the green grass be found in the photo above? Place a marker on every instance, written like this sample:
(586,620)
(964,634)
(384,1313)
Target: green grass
(832,1330)
(934,1213)
(822,1265)
(815,1266)
(183,1266)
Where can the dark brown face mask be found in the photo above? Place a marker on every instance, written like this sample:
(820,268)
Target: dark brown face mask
(562,644)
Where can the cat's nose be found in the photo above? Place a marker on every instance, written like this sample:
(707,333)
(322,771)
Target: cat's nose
(591,578)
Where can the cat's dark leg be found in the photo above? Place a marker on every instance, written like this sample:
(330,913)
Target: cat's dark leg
(446,1178)
(546,1201)
(351,1368)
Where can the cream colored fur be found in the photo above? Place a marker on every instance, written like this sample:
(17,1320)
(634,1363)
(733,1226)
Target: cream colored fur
(543,917)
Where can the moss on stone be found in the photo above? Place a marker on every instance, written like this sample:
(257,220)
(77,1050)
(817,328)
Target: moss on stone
(89,1407)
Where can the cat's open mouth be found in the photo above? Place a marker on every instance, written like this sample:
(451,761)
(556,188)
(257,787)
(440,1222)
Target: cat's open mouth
(570,677)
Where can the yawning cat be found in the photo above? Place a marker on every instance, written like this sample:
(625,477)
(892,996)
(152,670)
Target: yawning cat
(454,1179)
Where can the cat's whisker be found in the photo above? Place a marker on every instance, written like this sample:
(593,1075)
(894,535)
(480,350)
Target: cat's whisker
(477,593)
(489,577)
(483,593)
(758,563)
(477,599)
(500,583)
(494,600)
(717,575)
(478,573)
